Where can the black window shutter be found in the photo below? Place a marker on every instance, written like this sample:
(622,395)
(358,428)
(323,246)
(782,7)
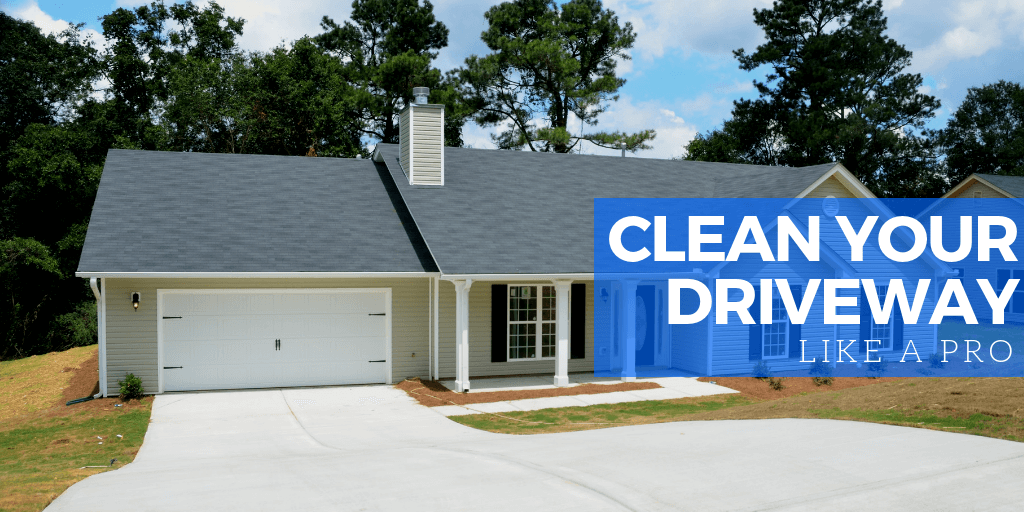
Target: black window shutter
(578,322)
(755,328)
(865,322)
(794,329)
(499,323)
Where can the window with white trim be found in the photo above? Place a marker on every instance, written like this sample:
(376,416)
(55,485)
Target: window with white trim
(883,332)
(532,331)
(1016,304)
(775,336)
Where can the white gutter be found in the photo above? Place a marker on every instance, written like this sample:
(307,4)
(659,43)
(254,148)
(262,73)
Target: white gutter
(251,275)
(101,334)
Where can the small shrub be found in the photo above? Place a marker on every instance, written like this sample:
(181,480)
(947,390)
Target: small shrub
(776,384)
(877,368)
(820,369)
(822,373)
(935,361)
(131,387)
(761,371)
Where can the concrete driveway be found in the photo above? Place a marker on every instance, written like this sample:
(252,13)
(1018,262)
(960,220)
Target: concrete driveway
(372,448)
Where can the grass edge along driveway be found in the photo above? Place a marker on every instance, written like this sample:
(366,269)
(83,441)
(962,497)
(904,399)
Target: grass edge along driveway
(992,407)
(44,444)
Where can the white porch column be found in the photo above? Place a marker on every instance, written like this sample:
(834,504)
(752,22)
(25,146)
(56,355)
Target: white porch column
(462,287)
(629,325)
(562,329)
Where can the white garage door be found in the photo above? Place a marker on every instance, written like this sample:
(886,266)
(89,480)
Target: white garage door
(232,339)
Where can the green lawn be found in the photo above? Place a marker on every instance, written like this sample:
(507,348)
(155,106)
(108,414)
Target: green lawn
(43,450)
(982,406)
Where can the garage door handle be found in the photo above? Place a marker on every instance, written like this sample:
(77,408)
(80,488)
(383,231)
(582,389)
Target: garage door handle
(381,361)
(171,367)
(169,317)
(378,314)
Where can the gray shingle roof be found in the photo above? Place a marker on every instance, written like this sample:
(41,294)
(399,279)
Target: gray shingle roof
(519,212)
(191,212)
(1014,185)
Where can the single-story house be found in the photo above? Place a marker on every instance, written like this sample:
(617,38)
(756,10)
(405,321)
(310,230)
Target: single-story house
(219,271)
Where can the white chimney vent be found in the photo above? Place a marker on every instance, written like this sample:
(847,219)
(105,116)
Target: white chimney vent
(421,140)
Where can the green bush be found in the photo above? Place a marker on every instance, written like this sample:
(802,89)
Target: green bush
(776,384)
(131,387)
(74,329)
(822,373)
(761,371)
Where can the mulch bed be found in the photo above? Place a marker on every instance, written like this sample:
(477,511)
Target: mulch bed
(757,389)
(433,393)
(85,382)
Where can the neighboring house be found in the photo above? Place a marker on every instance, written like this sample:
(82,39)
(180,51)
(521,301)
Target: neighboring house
(218,271)
(985,194)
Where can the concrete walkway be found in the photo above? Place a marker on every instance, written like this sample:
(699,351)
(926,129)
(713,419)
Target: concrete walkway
(671,387)
(373,448)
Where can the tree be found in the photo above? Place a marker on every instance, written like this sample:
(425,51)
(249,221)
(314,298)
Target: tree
(27,275)
(835,91)
(548,62)
(143,54)
(387,49)
(41,76)
(298,101)
(986,134)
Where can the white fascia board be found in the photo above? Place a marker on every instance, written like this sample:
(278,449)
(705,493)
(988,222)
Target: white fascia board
(252,275)
(844,176)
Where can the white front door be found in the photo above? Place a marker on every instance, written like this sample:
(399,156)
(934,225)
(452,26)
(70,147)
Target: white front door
(233,339)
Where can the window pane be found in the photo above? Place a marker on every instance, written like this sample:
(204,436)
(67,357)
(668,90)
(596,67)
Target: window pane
(1001,277)
(1018,301)
(548,340)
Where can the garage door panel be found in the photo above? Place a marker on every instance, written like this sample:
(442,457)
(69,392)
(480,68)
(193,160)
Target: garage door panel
(227,340)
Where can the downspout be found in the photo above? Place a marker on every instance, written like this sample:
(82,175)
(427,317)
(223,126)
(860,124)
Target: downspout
(437,330)
(101,334)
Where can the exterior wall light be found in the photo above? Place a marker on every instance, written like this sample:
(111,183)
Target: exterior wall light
(604,294)
(136,298)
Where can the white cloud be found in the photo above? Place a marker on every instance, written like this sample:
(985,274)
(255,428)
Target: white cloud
(673,132)
(690,25)
(957,44)
(963,30)
(30,11)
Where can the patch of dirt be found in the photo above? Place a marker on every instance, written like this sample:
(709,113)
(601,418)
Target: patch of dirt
(757,389)
(84,381)
(433,393)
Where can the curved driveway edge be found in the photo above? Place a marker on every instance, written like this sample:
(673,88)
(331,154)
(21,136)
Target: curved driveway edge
(374,448)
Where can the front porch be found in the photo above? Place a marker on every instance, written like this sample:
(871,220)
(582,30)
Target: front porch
(541,330)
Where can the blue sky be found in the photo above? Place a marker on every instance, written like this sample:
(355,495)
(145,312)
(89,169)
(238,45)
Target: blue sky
(682,78)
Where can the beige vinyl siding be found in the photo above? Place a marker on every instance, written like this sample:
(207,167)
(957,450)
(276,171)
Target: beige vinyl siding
(985,190)
(831,187)
(428,144)
(404,140)
(132,335)
(480,364)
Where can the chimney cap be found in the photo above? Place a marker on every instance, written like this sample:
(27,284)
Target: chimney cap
(420,95)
